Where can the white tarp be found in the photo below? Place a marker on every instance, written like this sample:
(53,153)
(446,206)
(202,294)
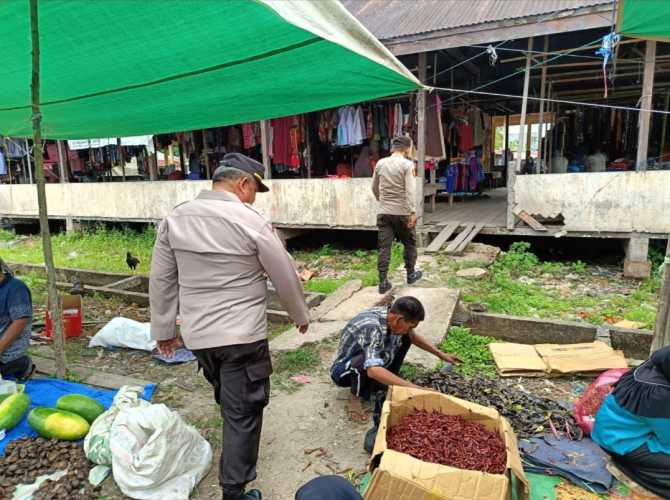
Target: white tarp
(138,140)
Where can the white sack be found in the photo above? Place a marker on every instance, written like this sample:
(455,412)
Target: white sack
(124,332)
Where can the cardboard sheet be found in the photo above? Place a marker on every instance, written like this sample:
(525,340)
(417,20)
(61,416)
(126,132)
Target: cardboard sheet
(554,359)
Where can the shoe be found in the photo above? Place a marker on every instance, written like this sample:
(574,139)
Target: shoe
(29,373)
(385,287)
(370,438)
(413,277)
(249,495)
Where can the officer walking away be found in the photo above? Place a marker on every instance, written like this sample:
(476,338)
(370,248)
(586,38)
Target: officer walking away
(209,263)
(393,185)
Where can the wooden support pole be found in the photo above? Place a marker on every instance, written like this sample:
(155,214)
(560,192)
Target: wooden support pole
(265,148)
(645,103)
(122,160)
(7,160)
(421,137)
(506,142)
(30,167)
(664,126)
(662,328)
(550,142)
(205,153)
(54,299)
(62,170)
(543,84)
(511,172)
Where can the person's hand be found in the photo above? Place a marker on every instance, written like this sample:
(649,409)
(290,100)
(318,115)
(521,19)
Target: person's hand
(303,328)
(411,223)
(168,347)
(450,358)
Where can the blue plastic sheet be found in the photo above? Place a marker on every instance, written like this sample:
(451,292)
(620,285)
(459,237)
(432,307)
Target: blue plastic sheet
(582,462)
(45,392)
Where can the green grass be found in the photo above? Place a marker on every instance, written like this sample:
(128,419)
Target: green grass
(97,249)
(324,285)
(472,350)
(514,287)
(290,363)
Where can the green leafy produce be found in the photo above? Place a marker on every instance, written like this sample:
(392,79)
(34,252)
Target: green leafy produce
(58,424)
(12,409)
(471,349)
(82,405)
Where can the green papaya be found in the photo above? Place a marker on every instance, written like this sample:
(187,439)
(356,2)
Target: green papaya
(82,405)
(12,409)
(58,424)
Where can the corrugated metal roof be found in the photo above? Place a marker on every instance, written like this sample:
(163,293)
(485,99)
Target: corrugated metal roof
(388,19)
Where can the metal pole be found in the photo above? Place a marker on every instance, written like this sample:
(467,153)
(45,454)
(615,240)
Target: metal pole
(511,173)
(645,103)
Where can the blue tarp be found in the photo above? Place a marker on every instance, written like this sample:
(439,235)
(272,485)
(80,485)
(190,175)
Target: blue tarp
(45,392)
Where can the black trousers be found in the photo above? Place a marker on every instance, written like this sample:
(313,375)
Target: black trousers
(16,368)
(240,375)
(649,470)
(390,228)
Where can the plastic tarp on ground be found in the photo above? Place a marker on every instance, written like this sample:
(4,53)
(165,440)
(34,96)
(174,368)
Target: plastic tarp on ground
(648,19)
(127,68)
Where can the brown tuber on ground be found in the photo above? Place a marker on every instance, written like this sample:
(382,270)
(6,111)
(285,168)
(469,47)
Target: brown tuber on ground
(449,440)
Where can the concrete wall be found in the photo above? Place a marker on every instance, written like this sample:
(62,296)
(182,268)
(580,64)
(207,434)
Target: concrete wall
(340,203)
(608,201)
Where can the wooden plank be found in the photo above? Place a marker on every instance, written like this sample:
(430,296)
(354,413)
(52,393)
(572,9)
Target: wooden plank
(529,219)
(459,239)
(469,238)
(441,238)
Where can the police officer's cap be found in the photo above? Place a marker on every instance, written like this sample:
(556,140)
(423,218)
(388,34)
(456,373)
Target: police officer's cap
(241,162)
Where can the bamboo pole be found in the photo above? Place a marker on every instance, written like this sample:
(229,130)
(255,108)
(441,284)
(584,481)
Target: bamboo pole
(662,328)
(511,172)
(54,299)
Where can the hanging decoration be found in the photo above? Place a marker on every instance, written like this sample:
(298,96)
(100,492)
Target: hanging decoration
(493,55)
(606,51)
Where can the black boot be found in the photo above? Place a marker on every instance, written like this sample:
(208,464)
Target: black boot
(384,284)
(413,277)
(240,495)
(371,435)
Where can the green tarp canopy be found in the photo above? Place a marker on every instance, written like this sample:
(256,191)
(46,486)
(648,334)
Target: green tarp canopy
(648,19)
(112,68)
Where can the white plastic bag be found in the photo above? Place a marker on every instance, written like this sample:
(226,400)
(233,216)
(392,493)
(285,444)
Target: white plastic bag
(124,332)
(156,455)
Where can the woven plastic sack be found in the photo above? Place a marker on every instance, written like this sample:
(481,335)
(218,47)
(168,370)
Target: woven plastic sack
(156,455)
(588,405)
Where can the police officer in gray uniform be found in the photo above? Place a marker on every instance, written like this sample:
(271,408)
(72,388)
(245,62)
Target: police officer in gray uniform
(209,264)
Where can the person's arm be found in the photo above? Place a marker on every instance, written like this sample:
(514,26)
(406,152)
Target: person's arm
(386,377)
(280,269)
(423,343)
(12,333)
(375,182)
(164,292)
(410,194)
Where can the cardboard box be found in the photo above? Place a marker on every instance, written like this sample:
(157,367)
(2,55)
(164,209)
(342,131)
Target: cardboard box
(554,359)
(398,476)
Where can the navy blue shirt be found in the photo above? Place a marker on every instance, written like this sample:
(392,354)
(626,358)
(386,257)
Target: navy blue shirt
(15,303)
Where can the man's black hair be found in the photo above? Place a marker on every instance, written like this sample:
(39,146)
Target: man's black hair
(409,308)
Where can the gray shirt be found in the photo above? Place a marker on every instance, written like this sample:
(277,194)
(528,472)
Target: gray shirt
(393,184)
(209,263)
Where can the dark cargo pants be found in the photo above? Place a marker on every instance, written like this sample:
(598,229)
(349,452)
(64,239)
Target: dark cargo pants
(240,375)
(393,227)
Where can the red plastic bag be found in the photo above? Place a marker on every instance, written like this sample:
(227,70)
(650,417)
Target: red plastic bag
(588,405)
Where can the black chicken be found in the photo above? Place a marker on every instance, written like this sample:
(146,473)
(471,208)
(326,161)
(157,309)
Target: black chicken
(77,287)
(132,261)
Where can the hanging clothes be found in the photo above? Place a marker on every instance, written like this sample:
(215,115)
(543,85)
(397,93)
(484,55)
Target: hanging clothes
(464,136)
(281,140)
(351,126)
(475,121)
(362,167)
(3,165)
(248,136)
(435,149)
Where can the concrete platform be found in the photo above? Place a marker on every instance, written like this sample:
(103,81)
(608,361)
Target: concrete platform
(293,339)
(364,299)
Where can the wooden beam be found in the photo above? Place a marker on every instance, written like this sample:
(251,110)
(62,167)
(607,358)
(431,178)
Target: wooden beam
(421,136)
(511,172)
(662,327)
(122,160)
(456,242)
(470,236)
(441,238)
(645,103)
(265,148)
(62,171)
(543,84)
(205,153)
(665,123)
